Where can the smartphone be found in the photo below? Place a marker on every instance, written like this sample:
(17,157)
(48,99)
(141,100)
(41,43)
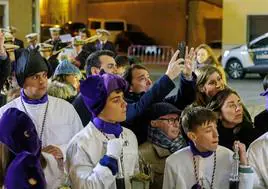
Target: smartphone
(182,48)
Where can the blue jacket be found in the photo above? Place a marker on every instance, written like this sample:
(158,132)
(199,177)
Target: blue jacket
(139,124)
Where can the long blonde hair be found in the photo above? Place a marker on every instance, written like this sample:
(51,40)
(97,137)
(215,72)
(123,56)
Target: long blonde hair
(211,54)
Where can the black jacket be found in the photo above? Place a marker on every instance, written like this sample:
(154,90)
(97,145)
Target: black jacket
(261,122)
(5,69)
(245,132)
(19,43)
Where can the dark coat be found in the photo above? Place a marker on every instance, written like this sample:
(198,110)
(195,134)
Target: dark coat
(157,93)
(107,46)
(19,43)
(139,123)
(5,69)
(57,44)
(245,132)
(261,122)
(53,62)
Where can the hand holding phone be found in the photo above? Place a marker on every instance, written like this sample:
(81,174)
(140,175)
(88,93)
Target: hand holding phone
(182,49)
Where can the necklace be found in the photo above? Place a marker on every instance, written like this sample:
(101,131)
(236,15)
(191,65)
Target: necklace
(43,122)
(213,173)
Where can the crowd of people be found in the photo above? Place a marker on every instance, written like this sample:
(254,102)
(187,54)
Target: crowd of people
(77,115)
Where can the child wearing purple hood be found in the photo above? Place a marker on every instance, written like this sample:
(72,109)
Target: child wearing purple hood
(103,153)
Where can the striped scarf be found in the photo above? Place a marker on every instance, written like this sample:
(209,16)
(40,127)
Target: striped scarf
(157,137)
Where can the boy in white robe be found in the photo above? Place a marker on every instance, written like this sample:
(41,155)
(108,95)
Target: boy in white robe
(204,164)
(258,159)
(56,120)
(103,151)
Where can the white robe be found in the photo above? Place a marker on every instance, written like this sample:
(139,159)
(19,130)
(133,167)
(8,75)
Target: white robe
(84,153)
(179,170)
(62,123)
(258,159)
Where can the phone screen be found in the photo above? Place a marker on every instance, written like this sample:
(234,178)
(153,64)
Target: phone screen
(181,48)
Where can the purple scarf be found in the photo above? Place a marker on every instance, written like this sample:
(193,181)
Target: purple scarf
(195,151)
(42,100)
(108,128)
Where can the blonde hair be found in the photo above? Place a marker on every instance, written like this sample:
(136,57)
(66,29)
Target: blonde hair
(203,75)
(211,54)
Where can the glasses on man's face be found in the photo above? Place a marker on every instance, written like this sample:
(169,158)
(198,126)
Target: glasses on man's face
(170,120)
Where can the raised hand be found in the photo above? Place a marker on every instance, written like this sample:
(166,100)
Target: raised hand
(174,66)
(242,153)
(188,62)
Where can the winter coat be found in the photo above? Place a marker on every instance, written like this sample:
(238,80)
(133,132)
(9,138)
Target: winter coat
(62,90)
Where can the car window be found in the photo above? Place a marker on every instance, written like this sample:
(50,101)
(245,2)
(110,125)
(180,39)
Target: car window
(260,44)
(114,26)
(95,25)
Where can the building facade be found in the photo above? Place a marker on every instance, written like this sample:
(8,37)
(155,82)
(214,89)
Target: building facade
(243,20)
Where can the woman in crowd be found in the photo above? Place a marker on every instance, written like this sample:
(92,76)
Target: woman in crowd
(209,82)
(233,123)
(206,56)
(65,82)
(103,153)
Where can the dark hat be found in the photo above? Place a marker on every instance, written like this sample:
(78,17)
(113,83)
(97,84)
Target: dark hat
(25,171)
(18,133)
(161,109)
(96,89)
(29,63)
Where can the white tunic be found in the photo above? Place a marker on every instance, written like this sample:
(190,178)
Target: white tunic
(84,153)
(179,170)
(258,159)
(62,123)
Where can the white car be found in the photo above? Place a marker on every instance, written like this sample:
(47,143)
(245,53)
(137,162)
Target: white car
(250,58)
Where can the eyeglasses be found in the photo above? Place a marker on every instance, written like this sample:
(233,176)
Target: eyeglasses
(170,121)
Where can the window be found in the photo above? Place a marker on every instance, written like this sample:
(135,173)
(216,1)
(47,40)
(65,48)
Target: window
(260,44)
(114,26)
(95,25)
(257,25)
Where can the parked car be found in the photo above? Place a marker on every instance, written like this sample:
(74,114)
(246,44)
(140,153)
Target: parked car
(45,33)
(73,27)
(126,39)
(248,58)
(114,26)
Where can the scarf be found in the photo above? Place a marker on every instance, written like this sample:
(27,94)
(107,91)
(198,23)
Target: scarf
(196,152)
(157,137)
(42,100)
(108,128)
